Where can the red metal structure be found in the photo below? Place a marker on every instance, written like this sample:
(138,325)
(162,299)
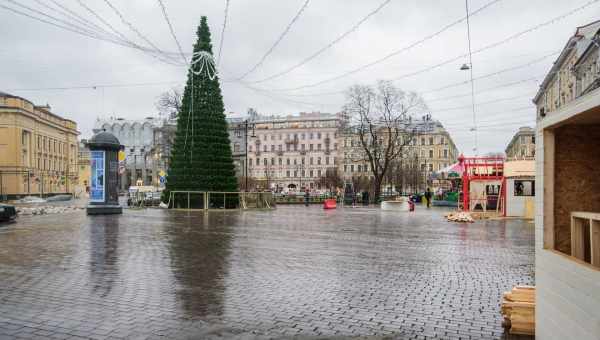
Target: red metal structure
(482,169)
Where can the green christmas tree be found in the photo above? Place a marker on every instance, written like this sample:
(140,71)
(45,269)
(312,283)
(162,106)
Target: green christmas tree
(201,156)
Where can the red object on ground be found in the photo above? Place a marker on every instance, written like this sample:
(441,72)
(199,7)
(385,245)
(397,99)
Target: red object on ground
(329,203)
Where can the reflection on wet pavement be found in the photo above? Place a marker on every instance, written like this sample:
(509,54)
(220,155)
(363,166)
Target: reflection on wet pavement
(292,271)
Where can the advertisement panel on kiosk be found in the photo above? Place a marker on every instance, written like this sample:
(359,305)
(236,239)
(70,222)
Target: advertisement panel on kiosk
(97,176)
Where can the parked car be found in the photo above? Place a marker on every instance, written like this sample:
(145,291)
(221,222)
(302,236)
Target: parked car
(7,212)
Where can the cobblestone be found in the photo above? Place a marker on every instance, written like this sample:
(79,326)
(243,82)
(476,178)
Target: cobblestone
(295,271)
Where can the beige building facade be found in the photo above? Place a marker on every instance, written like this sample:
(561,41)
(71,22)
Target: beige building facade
(430,150)
(38,150)
(522,145)
(574,73)
(289,153)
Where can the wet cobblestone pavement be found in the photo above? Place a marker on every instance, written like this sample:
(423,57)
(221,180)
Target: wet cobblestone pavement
(294,271)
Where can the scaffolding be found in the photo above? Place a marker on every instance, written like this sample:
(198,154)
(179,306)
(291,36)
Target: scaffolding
(487,175)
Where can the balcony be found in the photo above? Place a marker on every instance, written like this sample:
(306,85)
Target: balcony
(303,152)
(291,141)
(280,153)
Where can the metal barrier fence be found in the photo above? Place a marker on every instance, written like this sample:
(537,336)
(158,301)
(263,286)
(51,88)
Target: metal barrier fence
(208,200)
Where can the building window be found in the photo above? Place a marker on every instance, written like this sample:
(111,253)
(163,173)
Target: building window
(287,173)
(303,136)
(280,161)
(430,153)
(352,168)
(265,161)
(359,168)
(442,141)
(272,137)
(319,173)
(250,161)
(310,135)
(273,148)
(318,146)
(430,167)
(345,168)
(524,188)
(236,147)
(249,148)
(445,153)
(318,135)
(272,161)
(311,173)
(295,173)
(310,161)
(279,147)
(287,161)
(265,148)
(422,141)
(326,160)
(318,160)
(303,161)
(302,147)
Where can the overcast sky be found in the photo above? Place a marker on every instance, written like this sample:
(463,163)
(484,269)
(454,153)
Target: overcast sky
(37,55)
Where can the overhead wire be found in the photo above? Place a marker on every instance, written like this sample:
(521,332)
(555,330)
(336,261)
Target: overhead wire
(277,41)
(500,42)
(326,47)
(394,53)
(477,51)
(92,86)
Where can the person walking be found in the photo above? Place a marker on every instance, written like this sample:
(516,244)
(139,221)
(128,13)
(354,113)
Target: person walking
(306,197)
(428,195)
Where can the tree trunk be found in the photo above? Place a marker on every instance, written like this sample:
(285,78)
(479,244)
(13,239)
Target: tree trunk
(377,189)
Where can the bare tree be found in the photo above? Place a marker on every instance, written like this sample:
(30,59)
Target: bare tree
(169,102)
(381,116)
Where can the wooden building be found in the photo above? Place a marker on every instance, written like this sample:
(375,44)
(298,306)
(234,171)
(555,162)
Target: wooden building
(568,200)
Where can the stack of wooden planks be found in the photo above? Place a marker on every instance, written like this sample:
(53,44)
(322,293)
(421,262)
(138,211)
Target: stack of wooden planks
(518,310)
(459,216)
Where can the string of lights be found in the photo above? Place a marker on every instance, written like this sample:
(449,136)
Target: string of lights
(223,31)
(139,34)
(64,25)
(62,22)
(64,13)
(166,16)
(326,47)
(276,43)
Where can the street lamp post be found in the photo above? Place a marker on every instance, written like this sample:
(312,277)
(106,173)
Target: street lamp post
(246,126)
